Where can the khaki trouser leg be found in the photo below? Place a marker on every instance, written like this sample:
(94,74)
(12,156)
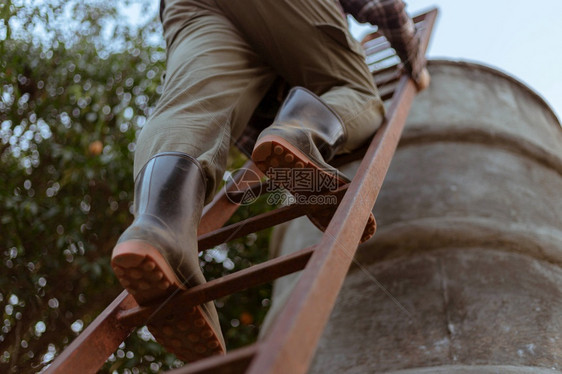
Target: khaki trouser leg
(214,81)
(223,56)
(308,44)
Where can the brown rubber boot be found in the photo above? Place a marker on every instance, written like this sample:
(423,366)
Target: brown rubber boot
(157,255)
(295,149)
(305,135)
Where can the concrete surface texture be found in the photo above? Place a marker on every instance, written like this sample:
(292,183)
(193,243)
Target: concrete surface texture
(463,274)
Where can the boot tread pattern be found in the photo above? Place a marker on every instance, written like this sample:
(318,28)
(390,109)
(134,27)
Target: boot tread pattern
(275,152)
(146,275)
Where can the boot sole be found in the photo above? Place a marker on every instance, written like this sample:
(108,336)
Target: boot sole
(148,277)
(275,152)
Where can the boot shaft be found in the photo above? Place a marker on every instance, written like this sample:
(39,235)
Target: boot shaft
(304,112)
(168,184)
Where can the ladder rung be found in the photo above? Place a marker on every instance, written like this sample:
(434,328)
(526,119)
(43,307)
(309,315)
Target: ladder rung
(380,57)
(218,211)
(233,362)
(387,92)
(250,225)
(214,289)
(387,80)
(256,189)
(386,70)
(264,221)
(376,46)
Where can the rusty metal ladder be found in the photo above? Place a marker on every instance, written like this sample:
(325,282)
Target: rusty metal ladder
(291,342)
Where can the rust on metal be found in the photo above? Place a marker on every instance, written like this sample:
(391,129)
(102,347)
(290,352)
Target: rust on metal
(266,220)
(234,362)
(221,208)
(252,224)
(226,285)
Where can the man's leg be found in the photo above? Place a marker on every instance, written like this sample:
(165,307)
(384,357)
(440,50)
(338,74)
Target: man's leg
(214,82)
(308,44)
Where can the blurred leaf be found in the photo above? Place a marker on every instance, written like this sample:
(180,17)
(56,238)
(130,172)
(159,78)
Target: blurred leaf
(77,82)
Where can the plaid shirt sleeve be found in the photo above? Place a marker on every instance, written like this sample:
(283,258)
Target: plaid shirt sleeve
(394,23)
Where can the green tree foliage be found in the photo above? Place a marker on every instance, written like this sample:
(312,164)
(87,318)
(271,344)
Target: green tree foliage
(77,83)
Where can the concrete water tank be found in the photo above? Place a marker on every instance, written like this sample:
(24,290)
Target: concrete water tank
(463,274)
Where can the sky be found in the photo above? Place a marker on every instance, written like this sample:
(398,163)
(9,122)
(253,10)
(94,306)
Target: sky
(520,38)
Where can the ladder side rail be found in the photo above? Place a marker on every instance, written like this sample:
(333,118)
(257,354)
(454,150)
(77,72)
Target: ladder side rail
(287,348)
(89,351)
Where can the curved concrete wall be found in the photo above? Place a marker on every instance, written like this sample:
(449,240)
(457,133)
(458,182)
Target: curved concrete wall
(463,275)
